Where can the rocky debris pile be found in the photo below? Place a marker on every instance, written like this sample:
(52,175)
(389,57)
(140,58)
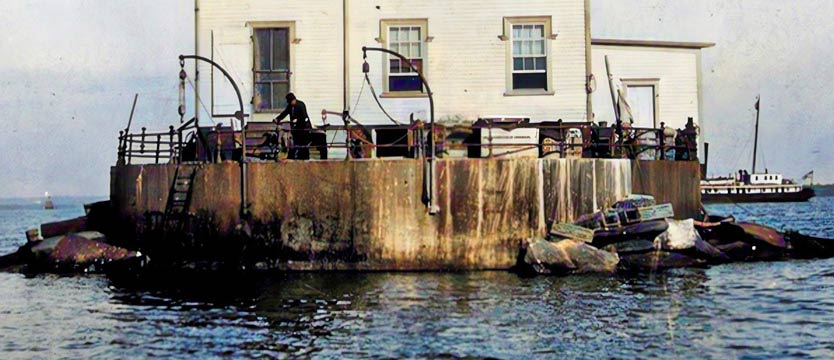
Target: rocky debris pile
(567,256)
(640,236)
(69,246)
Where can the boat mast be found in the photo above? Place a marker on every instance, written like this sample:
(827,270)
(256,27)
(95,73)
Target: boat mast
(756,138)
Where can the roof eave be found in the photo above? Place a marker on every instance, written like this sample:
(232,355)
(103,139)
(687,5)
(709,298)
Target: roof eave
(653,43)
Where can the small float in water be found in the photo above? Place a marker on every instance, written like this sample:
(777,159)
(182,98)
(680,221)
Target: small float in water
(48,204)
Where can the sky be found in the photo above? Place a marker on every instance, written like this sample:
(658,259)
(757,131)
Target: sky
(69,69)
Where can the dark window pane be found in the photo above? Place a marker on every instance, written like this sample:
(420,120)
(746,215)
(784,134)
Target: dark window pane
(279,95)
(280,49)
(518,64)
(262,96)
(395,66)
(530,81)
(528,64)
(404,83)
(262,44)
(271,76)
(272,66)
(541,64)
(418,63)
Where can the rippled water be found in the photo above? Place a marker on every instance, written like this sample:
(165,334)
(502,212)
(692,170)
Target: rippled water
(755,310)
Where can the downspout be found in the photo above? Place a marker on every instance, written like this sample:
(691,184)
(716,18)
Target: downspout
(345,60)
(345,76)
(589,71)
(196,63)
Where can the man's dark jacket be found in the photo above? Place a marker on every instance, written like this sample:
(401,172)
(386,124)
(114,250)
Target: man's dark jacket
(298,115)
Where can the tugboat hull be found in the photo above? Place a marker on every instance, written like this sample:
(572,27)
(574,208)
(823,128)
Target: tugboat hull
(801,196)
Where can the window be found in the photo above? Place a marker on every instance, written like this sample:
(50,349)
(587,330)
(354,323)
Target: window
(641,95)
(407,38)
(529,57)
(271,68)
(529,68)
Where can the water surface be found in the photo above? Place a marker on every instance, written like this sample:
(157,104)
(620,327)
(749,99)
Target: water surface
(751,310)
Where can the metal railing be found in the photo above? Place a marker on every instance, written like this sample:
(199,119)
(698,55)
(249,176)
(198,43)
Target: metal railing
(155,147)
(274,142)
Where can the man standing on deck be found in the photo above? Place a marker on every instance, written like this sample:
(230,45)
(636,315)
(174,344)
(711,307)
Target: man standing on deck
(300,125)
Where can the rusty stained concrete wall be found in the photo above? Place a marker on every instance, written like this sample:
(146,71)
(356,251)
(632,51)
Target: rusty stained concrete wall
(675,182)
(369,214)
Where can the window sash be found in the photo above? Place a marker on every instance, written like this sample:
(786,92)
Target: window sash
(529,52)
(406,40)
(271,70)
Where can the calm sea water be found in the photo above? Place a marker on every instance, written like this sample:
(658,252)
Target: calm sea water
(756,310)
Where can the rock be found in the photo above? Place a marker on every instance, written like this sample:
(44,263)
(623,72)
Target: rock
(682,237)
(644,230)
(657,260)
(737,251)
(546,258)
(722,234)
(630,247)
(744,251)
(568,256)
(62,227)
(764,234)
(92,235)
(73,252)
(704,250)
(679,235)
(809,247)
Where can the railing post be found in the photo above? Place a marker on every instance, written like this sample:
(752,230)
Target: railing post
(180,146)
(171,143)
(121,150)
(129,147)
(158,147)
(662,140)
(142,142)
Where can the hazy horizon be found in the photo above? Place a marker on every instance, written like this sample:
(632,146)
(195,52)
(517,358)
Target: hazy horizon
(70,69)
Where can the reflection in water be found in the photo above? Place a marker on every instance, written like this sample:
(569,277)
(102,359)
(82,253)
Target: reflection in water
(756,310)
(778,309)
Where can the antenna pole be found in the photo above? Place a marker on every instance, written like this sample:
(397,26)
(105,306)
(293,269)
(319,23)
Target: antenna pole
(756,139)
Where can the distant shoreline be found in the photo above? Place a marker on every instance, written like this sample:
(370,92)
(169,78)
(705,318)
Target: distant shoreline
(824,190)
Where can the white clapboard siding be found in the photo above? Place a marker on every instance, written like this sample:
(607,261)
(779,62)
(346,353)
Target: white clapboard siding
(676,71)
(466,59)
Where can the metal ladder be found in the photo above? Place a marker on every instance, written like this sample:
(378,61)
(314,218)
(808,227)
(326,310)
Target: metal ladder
(179,200)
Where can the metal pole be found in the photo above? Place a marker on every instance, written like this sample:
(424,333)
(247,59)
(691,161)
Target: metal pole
(756,138)
(345,59)
(244,208)
(589,108)
(132,109)
(433,209)
(611,89)
(196,66)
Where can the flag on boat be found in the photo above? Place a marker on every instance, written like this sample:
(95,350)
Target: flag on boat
(809,175)
(758,100)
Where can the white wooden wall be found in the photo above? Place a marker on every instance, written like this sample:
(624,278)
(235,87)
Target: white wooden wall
(676,69)
(466,59)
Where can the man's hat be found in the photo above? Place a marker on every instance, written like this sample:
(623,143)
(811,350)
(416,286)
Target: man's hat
(290,97)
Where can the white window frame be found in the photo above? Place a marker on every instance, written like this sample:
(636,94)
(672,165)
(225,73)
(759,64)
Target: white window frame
(547,23)
(384,39)
(293,40)
(655,85)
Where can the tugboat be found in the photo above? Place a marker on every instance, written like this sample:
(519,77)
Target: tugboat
(754,187)
(48,204)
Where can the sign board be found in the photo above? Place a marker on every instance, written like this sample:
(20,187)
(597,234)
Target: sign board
(571,231)
(656,212)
